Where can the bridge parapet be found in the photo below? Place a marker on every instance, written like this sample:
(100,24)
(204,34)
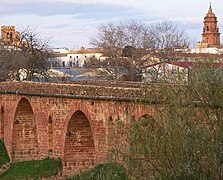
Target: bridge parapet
(94,89)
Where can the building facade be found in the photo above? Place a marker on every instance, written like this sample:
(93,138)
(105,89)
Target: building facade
(75,58)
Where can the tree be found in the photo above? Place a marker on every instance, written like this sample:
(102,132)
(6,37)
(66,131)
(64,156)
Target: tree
(34,52)
(10,63)
(184,138)
(139,39)
(168,38)
(27,60)
(111,39)
(135,41)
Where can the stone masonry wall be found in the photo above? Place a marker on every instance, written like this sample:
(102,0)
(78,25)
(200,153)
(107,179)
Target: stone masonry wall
(86,89)
(45,122)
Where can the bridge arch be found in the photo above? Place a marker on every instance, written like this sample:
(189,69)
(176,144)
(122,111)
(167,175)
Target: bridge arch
(79,149)
(24,135)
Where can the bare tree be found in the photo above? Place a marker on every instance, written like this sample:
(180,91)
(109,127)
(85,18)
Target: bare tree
(10,63)
(27,60)
(133,40)
(34,52)
(168,38)
(7,64)
(139,39)
(111,39)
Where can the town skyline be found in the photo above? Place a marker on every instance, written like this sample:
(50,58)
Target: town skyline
(71,23)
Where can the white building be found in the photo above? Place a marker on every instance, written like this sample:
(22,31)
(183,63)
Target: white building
(80,57)
(213,50)
(169,72)
(61,50)
(63,57)
(174,72)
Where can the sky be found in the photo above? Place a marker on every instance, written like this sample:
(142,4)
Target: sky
(73,23)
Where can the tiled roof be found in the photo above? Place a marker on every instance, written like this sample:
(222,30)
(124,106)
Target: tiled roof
(186,64)
(86,51)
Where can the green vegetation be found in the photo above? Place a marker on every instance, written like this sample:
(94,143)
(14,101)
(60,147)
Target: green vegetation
(4,158)
(183,139)
(110,171)
(32,169)
(28,169)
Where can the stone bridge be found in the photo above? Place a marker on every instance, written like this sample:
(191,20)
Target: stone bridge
(71,121)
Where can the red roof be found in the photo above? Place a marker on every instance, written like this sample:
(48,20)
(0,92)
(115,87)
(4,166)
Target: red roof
(182,64)
(186,64)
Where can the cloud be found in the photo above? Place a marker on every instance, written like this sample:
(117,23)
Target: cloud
(104,2)
(68,24)
(14,2)
(191,20)
(75,22)
(65,30)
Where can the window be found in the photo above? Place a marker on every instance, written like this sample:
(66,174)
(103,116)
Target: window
(9,35)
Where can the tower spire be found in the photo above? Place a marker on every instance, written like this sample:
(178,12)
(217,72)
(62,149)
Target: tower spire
(210,9)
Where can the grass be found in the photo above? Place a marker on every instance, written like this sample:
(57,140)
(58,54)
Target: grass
(32,169)
(109,171)
(4,158)
(49,167)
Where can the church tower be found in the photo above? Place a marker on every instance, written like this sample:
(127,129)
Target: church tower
(210,35)
(9,35)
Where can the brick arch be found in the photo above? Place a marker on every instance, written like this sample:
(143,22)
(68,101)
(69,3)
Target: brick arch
(24,134)
(79,148)
(79,107)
